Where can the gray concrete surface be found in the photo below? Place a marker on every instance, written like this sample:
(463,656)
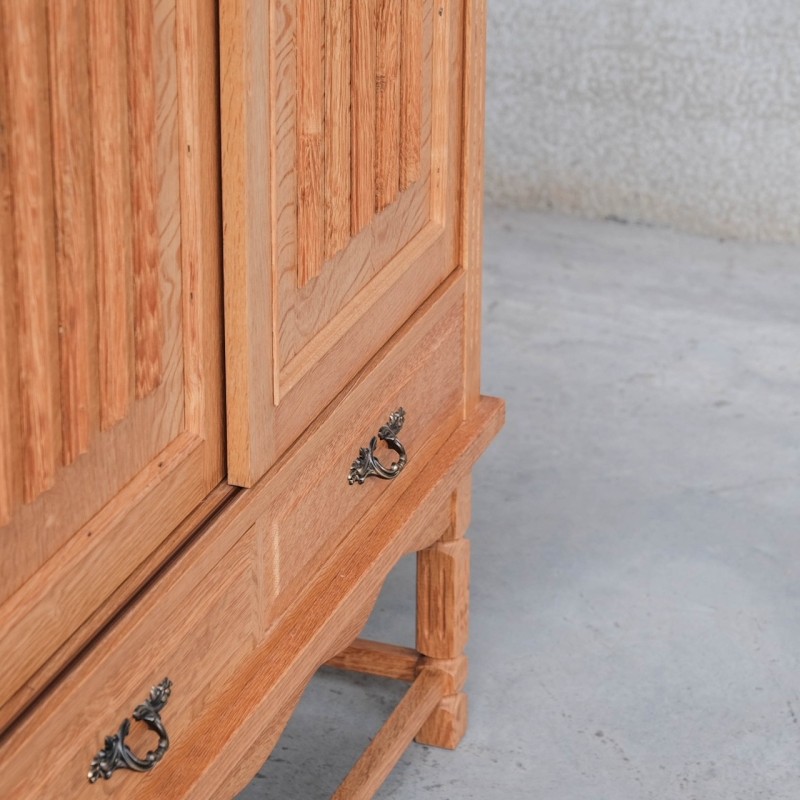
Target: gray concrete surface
(681,113)
(636,573)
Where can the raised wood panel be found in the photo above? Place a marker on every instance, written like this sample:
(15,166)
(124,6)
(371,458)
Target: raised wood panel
(31,187)
(75,254)
(387,102)
(110,328)
(148,332)
(411,93)
(349,215)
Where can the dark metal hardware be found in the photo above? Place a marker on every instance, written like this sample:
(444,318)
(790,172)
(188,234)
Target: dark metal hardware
(367,464)
(117,755)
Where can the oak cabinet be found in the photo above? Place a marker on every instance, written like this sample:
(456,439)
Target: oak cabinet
(240,272)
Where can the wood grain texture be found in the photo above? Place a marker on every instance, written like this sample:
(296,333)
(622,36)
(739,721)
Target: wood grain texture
(108,76)
(387,103)
(378,760)
(303,314)
(8,328)
(237,731)
(310,139)
(363,99)
(447,724)
(53,603)
(148,333)
(198,147)
(377,658)
(338,171)
(31,186)
(411,94)
(443,618)
(80,550)
(443,599)
(245,32)
(72,160)
(472,170)
(104,615)
(386,270)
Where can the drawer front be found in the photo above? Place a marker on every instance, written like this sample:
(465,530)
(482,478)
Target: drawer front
(193,628)
(419,371)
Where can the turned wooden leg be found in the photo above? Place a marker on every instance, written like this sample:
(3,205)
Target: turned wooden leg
(443,620)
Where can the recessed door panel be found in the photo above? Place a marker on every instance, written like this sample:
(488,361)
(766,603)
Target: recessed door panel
(342,168)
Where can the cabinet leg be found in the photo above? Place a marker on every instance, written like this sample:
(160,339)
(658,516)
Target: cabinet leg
(443,620)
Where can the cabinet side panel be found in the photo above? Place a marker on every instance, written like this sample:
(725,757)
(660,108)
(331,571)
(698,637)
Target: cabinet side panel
(148,334)
(471,244)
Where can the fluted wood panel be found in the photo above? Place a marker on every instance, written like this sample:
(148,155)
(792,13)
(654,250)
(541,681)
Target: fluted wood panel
(387,105)
(411,94)
(71,143)
(359,106)
(7,315)
(107,71)
(26,57)
(363,112)
(337,128)
(311,141)
(83,333)
(144,194)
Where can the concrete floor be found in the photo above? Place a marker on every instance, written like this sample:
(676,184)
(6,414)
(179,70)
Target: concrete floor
(636,536)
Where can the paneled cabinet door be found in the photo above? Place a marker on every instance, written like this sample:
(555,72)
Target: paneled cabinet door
(341,165)
(110,304)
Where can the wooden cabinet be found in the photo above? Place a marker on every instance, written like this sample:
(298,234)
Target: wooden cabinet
(237,237)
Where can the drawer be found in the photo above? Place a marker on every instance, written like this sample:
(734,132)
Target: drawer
(420,371)
(195,626)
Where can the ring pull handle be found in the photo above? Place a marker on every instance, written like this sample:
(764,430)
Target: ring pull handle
(367,463)
(117,755)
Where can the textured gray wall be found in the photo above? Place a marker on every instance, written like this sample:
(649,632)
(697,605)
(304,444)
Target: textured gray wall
(677,112)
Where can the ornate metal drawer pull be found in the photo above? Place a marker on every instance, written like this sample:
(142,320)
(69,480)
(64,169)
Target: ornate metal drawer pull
(367,464)
(117,755)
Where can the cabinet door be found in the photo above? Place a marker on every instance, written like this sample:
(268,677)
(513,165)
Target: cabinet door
(110,294)
(341,164)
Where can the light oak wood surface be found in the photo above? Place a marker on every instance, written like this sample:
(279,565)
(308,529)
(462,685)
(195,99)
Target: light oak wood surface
(325,159)
(113,287)
(331,272)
